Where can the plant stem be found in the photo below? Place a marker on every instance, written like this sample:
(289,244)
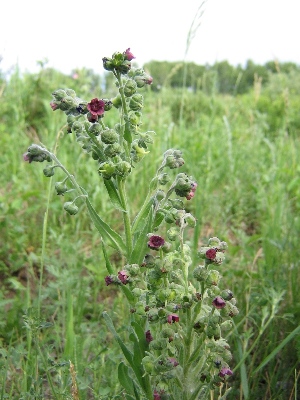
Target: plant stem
(126,217)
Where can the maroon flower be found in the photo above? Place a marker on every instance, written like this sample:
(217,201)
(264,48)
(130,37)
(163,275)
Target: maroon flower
(211,254)
(225,371)
(172,318)
(191,194)
(54,106)
(218,302)
(173,361)
(155,242)
(149,337)
(128,55)
(108,280)
(156,395)
(26,157)
(122,275)
(148,80)
(96,107)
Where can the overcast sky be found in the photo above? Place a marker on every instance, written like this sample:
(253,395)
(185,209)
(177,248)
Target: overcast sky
(79,33)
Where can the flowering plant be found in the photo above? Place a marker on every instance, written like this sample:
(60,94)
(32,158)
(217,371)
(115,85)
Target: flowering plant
(177,312)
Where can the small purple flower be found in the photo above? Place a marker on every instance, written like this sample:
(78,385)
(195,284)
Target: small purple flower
(122,275)
(148,336)
(26,157)
(173,361)
(108,280)
(155,242)
(54,106)
(172,318)
(156,395)
(218,302)
(211,254)
(148,80)
(128,55)
(96,107)
(225,371)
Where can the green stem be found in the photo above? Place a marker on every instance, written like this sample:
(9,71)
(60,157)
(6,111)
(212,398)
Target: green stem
(126,216)
(124,114)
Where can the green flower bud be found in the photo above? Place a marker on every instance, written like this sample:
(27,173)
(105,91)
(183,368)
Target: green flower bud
(190,220)
(158,344)
(112,150)
(109,136)
(214,242)
(70,92)
(78,127)
(107,170)
(226,294)
(71,208)
(136,102)
(163,179)
(153,315)
(167,332)
(219,258)
(213,278)
(200,273)
(226,325)
(148,364)
(160,194)
(123,168)
(130,87)
(95,129)
(59,94)
(48,171)
(173,234)
(117,101)
(68,103)
(60,188)
(134,117)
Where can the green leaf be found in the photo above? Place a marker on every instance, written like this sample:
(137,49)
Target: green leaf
(137,369)
(140,245)
(277,349)
(140,219)
(124,378)
(113,238)
(113,194)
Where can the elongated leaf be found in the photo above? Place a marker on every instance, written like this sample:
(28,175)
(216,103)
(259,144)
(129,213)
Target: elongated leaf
(113,194)
(140,219)
(127,353)
(140,244)
(124,378)
(277,349)
(109,235)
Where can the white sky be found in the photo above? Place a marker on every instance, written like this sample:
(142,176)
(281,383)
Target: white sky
(79,33)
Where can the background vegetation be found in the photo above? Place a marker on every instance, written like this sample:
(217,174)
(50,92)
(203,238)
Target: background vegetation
(239,129)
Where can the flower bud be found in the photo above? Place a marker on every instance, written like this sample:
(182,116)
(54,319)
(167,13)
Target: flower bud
(227,294)
(48,171)
(108,64)
(160,194)
(59,94)
(190,220)
(200,273)
(111,150)
(213,278)
(226,325)
(136,102)
(107,170)
(71,208)
(173,234)
(130,88)
(123,168)
(218,302)
(95,129)
(109,136)
(148,364)
(36,153)
(70,92)
(128,55)
(117,101)
(163,179)
(61,188)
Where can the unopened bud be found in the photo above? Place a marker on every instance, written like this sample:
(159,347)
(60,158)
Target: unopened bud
(136,102)
(71,208)
(61,188)
(48,171)
(109,136)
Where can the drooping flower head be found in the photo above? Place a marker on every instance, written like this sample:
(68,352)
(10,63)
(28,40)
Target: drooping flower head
(128,55)
(122,275)
(155,242)
(218,302)
(172,318)
(96,107)
(148,336)
(225,371)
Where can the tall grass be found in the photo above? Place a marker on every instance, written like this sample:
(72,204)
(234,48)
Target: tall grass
(51,269)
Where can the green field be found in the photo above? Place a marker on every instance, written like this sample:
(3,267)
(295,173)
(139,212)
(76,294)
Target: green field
(243,151)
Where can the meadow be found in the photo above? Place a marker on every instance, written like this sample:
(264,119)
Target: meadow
(243,151)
